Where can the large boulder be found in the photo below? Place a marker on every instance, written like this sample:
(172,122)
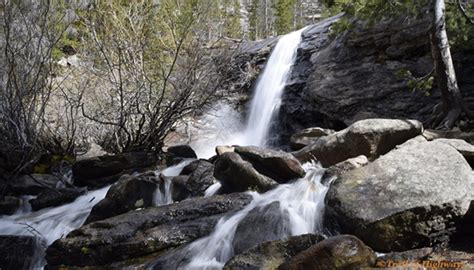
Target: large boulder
(9,205)
(55,197)
(236,174)
(140,233)
(178,153)
(34,184)
(308,136)
(406,199)
(104,170)
(370,137)
(272,225)
(127,194)
(339,252)
(21,252)
(269,255)
(278,165)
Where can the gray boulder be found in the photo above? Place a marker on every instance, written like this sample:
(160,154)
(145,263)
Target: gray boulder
(104,170)
(308,136)
(278,165)
(339,252)
(138,234)
(200,177)
(34,184)
(272,225)
(236,174)
(269,255)
(55,197)
(177,153)
(406,199)
(127,194)
(371,137)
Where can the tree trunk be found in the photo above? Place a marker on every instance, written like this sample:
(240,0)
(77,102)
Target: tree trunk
(445,74)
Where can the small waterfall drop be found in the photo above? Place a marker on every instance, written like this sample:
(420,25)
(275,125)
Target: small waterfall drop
(162,194)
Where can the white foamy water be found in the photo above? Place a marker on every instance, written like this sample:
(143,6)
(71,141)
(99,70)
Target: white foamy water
(54,222)
(302,201)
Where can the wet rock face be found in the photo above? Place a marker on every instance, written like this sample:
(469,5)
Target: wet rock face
(20,252)
(139,233)
(127,194)
(104,170)
(236,174)
(56,197)
(412,197)
(339,252)
(370,137)
(278,165)
(338,80)
(269,255)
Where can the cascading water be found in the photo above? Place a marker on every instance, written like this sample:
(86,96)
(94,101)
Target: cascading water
(53,223)
(302,202)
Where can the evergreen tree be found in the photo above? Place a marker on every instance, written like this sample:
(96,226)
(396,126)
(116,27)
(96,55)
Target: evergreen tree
(284,16)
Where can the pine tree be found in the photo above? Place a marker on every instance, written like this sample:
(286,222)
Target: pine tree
(284,16)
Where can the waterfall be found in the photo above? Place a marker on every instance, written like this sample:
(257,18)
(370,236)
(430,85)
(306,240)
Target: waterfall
(267,99)
(223,125)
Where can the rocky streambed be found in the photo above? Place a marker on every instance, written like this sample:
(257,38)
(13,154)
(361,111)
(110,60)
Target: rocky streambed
(391,186)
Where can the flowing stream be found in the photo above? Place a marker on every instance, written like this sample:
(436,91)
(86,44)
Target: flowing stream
(301,206)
